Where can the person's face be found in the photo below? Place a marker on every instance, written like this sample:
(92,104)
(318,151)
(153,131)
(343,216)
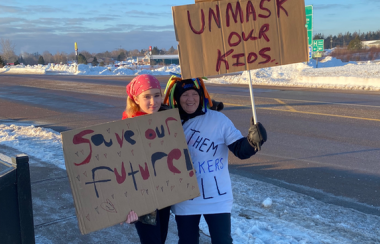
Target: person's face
(149,101)
(189,101)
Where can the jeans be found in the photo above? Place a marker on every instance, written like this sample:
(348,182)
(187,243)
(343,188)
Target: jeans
(219,226)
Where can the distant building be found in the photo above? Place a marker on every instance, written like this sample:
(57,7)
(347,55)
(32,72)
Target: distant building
(140,60)
(161,59)
(369,44)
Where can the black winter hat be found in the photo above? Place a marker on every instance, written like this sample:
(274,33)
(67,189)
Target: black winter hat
(184,86)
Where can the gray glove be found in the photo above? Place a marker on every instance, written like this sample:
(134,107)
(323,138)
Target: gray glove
(257,135)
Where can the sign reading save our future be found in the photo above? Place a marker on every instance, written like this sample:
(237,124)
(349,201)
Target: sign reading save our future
(140,164)
(230,36)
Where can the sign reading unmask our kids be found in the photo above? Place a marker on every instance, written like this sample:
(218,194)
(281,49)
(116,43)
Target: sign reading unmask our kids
(230,36)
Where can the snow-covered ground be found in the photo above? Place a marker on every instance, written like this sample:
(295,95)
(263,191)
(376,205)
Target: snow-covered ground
(88,69)
(262,213)
(331,73)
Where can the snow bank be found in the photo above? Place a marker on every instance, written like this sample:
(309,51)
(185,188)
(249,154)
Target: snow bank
(331,73)
(44,144)
(22,69)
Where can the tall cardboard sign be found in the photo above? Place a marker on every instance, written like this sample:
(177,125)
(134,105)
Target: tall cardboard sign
(229,36)
(139,164)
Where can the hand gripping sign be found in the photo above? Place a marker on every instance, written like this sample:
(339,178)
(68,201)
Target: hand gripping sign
(139,164)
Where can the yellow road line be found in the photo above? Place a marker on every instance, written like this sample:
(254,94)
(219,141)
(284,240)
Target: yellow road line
(343,104)
(301,112)
(235,105)
(286,105)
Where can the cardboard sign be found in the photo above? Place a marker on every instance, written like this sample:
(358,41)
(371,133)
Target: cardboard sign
(229,36)
(140,164)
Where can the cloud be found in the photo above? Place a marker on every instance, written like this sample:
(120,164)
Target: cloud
(4,21)
(332,6)
(10,9)
(142,14)
(92,42)
(59,25)
(43,9)
(30,9)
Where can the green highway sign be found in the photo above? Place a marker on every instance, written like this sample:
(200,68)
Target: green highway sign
(309,9)
(318,45)
(309,24)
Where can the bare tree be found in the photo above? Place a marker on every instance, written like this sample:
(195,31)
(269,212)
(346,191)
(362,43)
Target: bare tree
(71,56)
(86,54)
(29,59)
(60,58)
(48,57)
(134,52)
(8,50)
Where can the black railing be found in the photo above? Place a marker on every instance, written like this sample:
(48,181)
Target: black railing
(16,212)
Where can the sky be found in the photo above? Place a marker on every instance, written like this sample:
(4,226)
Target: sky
(98,26)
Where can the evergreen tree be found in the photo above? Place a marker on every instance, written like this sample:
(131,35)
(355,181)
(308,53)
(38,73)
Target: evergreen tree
(17,62)
(171,50)
(121,56)
(82,59)
(21,60)
(318,36)
(155,51)
(355,44)
(41,60)
(95,62)
(1,62)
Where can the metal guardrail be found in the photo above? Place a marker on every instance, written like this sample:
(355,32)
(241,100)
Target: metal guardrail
(16,212)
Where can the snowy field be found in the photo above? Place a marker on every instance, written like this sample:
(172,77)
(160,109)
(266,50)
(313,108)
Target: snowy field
(262,213)
(331,73)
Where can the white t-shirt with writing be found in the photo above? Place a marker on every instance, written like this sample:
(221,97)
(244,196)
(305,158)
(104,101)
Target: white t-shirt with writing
(208,137)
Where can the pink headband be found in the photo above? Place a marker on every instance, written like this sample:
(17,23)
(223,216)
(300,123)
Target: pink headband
(142,83)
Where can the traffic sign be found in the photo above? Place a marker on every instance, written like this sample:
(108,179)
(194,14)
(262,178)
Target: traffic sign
(317,54)
(318,45)
(310,52)
(309,24)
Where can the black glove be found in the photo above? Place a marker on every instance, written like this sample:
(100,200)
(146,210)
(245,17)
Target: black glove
(218,106)
(257,135)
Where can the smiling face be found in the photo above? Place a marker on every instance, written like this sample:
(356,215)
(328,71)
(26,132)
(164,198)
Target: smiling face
(189,101)
(149,101)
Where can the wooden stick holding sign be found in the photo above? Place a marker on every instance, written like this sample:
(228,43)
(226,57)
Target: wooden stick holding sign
(218,37)
(252,98)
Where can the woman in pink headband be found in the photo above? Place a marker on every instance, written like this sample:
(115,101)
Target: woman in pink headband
(144,97)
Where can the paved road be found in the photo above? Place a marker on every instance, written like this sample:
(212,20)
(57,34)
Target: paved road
(324,143)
